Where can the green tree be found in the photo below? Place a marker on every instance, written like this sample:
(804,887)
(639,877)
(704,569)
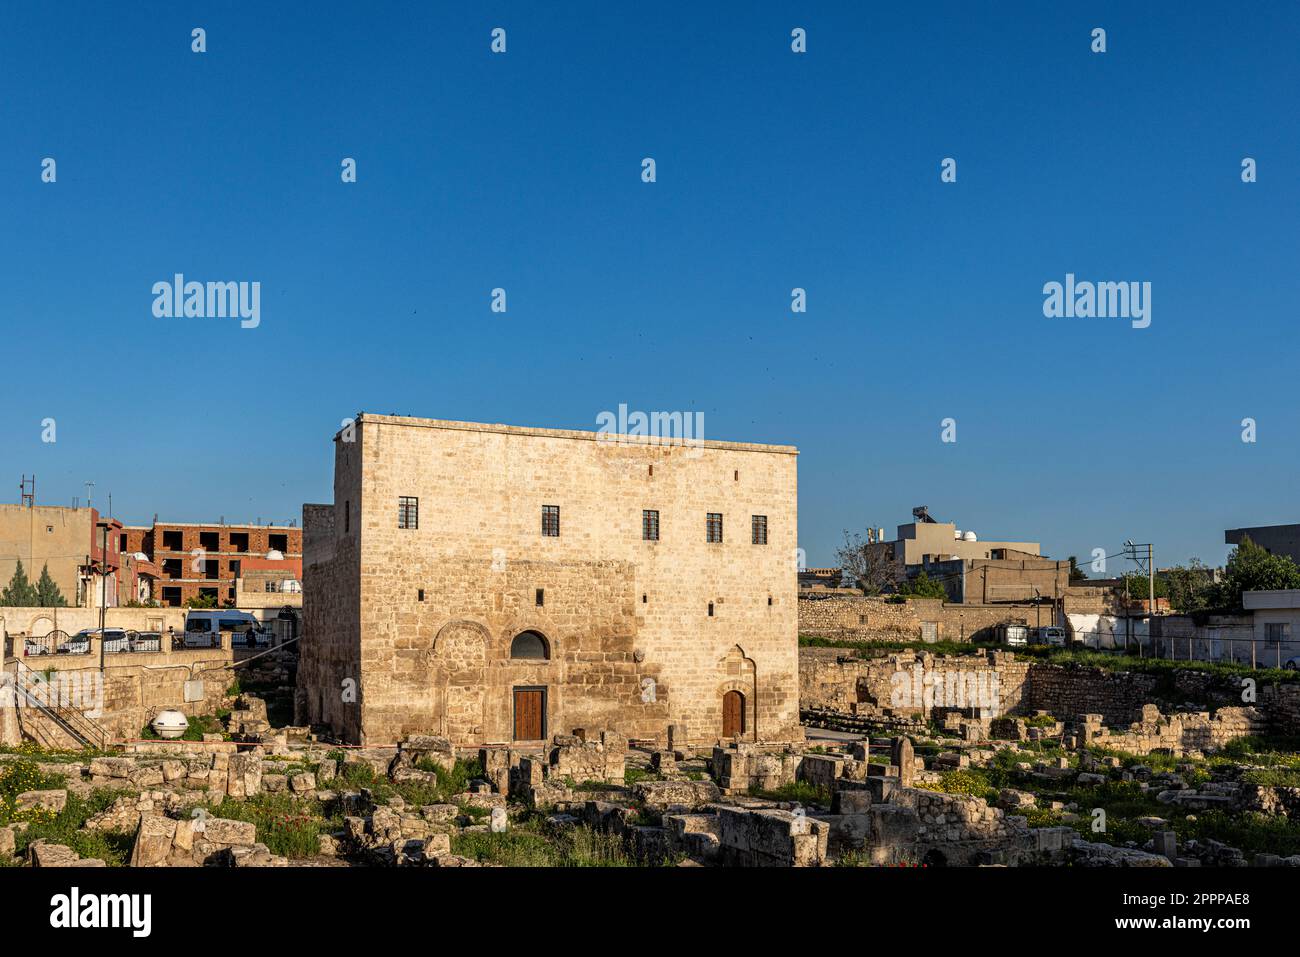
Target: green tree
(1077,574)
(48,594)
(202,601)
(1137,586)
(20,592)
(923,586)
(1252,568)
(1190,587)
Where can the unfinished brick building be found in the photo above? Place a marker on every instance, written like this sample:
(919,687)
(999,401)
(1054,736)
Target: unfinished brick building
(499,584)
(206,560)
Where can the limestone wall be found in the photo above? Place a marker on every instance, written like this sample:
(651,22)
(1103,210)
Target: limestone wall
(862,618)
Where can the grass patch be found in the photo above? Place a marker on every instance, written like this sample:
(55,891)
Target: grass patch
(801,792)
(112,847)
(529,844)
(289,826)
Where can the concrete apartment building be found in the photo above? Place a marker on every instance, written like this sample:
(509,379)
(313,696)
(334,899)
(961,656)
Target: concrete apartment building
(498,584)
(200,559)
(990,581)
(926,541)
(1274,539)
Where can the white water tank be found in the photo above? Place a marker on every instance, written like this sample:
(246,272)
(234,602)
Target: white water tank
(275,555)
(956,533)
(170,724)
(968,537)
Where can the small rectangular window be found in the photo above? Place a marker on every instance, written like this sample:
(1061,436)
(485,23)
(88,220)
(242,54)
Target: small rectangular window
(408,512)
(713,527)
(347,516)
(1277,632)
(710,609)
(419,594)
(650,525)
(551,521)
(760,529)
(541,597)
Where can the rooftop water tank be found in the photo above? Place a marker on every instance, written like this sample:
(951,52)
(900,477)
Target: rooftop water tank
(968,537)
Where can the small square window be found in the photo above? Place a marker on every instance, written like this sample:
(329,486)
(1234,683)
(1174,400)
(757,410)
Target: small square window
(551,521)
(650,525)
(760,529)
(713,527)
(408,512)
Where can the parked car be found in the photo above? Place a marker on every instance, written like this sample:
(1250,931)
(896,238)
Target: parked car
(115,639)
(146,641)
(1052,635)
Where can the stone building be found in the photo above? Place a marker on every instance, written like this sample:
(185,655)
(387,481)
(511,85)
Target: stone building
(500,584)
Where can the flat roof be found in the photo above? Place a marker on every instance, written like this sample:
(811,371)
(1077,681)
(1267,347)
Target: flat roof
(146,528)
(1271,598)
(418,423)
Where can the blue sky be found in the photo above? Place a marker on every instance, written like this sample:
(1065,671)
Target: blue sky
(775,170)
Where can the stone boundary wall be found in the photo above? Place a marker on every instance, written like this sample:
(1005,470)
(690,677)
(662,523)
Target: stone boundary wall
(136,686)
(37,622)
(863,618)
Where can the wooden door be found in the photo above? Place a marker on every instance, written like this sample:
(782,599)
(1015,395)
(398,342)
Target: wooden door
(530,714)
(733,714)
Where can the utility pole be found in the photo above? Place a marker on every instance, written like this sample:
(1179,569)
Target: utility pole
(103,594)
(1143,557)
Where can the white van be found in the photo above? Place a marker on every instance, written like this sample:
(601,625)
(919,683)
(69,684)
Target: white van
(1052,635)
(202,628)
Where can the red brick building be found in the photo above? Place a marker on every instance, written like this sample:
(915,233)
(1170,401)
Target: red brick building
(195,559)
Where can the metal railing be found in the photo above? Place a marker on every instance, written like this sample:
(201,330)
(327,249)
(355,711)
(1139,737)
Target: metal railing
(27,691)
(54,643)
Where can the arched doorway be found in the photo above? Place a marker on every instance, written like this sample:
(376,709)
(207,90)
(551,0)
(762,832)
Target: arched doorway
(733,714)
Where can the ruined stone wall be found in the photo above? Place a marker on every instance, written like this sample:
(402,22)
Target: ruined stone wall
(633,646)
(863,618)
(908,683)
(137,686)
(833,680)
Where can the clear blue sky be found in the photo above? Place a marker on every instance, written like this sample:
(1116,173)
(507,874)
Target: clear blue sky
(775,170)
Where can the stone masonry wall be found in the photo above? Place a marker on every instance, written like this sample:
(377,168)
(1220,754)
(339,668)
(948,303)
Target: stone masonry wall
(863,618)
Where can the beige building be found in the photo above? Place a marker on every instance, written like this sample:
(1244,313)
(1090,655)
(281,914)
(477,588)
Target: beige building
(69,541)
(499,584)
(920,543)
